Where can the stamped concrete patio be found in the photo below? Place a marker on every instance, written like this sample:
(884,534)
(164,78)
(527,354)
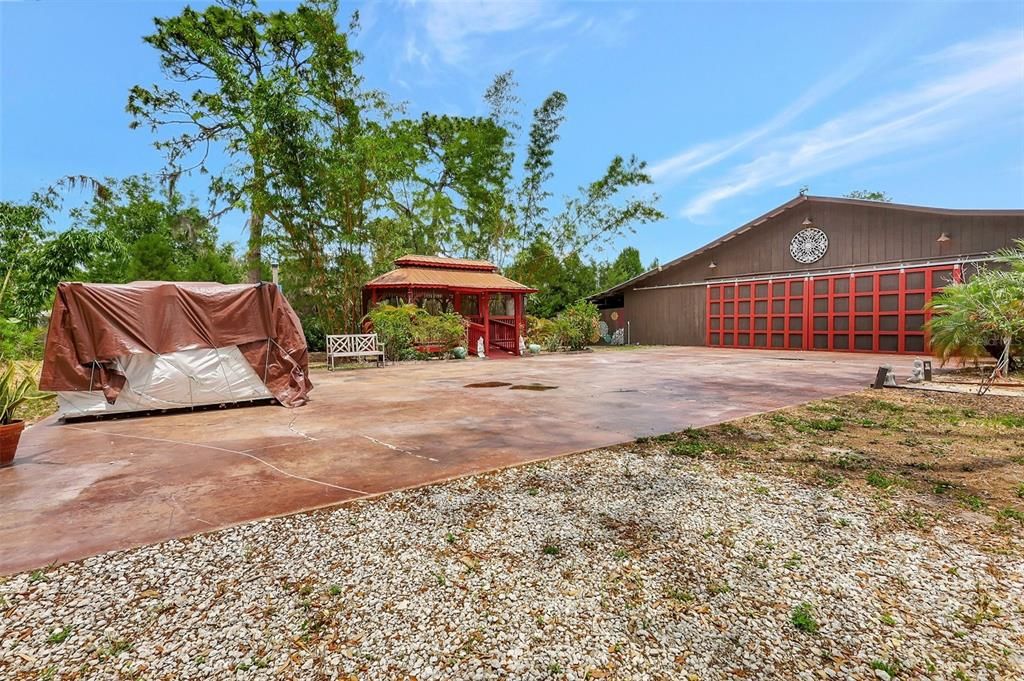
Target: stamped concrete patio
(81,489)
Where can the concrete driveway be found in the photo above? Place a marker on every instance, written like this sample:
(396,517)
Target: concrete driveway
(81,489)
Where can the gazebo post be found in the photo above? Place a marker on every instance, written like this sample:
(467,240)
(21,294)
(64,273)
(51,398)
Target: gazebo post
(518,298)
(485,303)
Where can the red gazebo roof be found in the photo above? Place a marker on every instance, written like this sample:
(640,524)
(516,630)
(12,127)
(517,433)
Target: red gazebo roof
(431,271)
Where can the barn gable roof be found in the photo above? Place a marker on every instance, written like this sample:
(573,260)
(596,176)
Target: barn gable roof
(775,212)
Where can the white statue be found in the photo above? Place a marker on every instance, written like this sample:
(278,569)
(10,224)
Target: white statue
(917,373)
(522,346)
(480,348)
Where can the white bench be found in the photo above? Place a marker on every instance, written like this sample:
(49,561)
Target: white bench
(354,345)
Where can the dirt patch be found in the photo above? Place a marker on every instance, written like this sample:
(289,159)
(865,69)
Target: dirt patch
(487,384)
(534,386)
(962,452)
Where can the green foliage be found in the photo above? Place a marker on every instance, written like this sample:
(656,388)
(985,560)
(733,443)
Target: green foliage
(19,342)
(865,195)
(987,309)
(576,327)
(15,391)
(626,266)
(393,326)
(802,618)
(401,328)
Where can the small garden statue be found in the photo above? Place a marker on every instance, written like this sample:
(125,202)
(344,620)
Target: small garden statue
(522,346)
(917,373)
(480,348)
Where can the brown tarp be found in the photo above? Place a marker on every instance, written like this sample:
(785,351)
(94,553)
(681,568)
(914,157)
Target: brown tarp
(94,324)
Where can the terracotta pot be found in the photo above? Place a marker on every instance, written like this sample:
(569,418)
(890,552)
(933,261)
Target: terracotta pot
(9,437)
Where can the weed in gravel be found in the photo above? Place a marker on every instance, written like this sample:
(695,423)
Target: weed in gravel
(831,480)
(1007,420)
(59,636)
(972,502)
(450,538)
(1012,514)
(843,522)
(761,489)
(1020,491)
(810,425)
(802,618)
(679,595)
(887,619)
(554,669)
(114,648)
(891,666)
(551,550)
(793,561)
(715,588)
(533,491)
(334,590)
(620,553)
(879,480)
(941,487)
(985,609)
(849,461)
(37,576)
(48,673)
(695,443)
(882,405)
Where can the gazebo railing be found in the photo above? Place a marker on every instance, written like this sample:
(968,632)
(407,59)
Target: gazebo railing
(503,333)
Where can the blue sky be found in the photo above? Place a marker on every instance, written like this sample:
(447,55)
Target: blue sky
(735,106)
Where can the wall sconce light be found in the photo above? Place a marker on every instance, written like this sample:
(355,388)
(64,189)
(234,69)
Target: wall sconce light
(943,238)
(807,222)
(713,265)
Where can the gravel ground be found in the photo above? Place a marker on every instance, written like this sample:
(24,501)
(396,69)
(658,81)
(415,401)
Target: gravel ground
(604,565)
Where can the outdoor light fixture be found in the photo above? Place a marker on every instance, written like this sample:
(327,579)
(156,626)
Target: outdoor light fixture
(713,265)
(943,238)
(274,268)
(808,222)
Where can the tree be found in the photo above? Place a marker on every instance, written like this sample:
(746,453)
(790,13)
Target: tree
(626,266)
(273,77)
(865,195)
(985,311)
(158,237)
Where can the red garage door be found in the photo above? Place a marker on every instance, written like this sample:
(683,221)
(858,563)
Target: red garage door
(879,311)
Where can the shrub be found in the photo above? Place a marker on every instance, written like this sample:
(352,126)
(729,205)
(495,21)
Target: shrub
(401,328)
(575,328)
(447,330)
(539,330)
(393,326)
(17,342)
(982,314)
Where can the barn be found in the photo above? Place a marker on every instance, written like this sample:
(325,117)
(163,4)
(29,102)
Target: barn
(816,273)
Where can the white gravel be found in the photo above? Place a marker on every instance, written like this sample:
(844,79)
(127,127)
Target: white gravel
(605,565)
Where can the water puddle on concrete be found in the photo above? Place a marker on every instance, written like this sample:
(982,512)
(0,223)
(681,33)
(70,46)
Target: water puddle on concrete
(533,386)
(487,384)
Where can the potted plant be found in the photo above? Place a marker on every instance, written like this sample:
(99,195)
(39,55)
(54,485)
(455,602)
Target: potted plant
(12,394)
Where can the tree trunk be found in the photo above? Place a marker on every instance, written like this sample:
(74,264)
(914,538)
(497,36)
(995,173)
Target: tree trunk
(254,257)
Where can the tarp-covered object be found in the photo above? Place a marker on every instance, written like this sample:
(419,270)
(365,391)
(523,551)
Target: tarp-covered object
(96,328)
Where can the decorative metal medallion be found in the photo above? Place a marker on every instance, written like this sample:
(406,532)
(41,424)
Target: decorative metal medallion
(808,245)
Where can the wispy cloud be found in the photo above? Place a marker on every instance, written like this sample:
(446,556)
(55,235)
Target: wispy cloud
(455,29)
(462,34)
(707,154)
(981,79)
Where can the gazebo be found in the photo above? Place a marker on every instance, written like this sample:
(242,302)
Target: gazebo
(492,304)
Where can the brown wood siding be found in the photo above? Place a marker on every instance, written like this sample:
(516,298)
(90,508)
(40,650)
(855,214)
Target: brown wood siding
(672,316)
(857,234)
